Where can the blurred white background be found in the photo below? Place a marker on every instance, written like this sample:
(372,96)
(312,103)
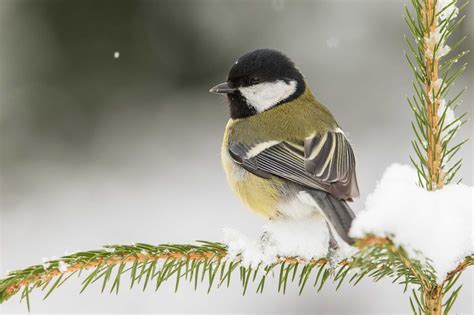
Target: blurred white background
(100,150)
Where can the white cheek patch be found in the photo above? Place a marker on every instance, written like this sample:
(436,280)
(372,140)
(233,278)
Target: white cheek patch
(262,96)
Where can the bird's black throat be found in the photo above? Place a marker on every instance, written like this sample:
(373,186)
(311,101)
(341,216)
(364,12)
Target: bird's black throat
(239,108)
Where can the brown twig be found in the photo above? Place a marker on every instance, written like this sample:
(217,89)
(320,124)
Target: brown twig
(432,87)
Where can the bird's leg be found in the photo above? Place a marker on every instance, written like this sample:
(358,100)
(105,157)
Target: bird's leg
(264,238)
(333,247)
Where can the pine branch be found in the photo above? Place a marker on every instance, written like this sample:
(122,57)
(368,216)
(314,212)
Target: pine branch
(146,264)
(150,265)
(431,24)
(431,27)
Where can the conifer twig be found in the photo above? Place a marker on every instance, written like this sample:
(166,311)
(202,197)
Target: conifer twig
(431,23)
(150,265)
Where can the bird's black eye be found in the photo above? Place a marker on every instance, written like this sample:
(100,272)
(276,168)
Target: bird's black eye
(254,80)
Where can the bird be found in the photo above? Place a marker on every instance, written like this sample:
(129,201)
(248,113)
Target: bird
(283,153)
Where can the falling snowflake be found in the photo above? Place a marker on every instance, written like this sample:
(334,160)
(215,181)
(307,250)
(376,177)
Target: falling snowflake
(332,42)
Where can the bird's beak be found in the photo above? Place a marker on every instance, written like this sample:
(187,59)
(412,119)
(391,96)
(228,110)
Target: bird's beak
(222,88)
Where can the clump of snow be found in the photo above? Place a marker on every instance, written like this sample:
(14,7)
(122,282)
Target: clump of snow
(449,118)
(445,9)
(434,88)
(303,238)
(430,44)
(441,5)
(62,266)
(437,224)
(252,252)
(45,263)
(109,249)
(436,85)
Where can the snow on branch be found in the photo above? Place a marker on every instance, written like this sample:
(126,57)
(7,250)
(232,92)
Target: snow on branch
(435,226)
(305,238)
(215,263)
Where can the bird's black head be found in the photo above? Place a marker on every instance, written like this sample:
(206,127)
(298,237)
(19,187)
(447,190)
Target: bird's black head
(260,80)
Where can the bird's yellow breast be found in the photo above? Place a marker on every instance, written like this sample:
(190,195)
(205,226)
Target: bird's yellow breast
(259,194)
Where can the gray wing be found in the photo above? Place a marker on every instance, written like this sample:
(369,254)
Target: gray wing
(324,165)
(322,162)
(330,158)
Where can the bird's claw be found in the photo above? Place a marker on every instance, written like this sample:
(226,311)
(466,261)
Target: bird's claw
(332,257)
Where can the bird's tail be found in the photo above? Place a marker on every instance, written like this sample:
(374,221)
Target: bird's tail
(337,212)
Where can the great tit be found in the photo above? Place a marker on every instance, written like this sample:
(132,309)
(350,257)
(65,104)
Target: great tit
(283,153)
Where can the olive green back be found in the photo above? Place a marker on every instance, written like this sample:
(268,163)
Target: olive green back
(292,121)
